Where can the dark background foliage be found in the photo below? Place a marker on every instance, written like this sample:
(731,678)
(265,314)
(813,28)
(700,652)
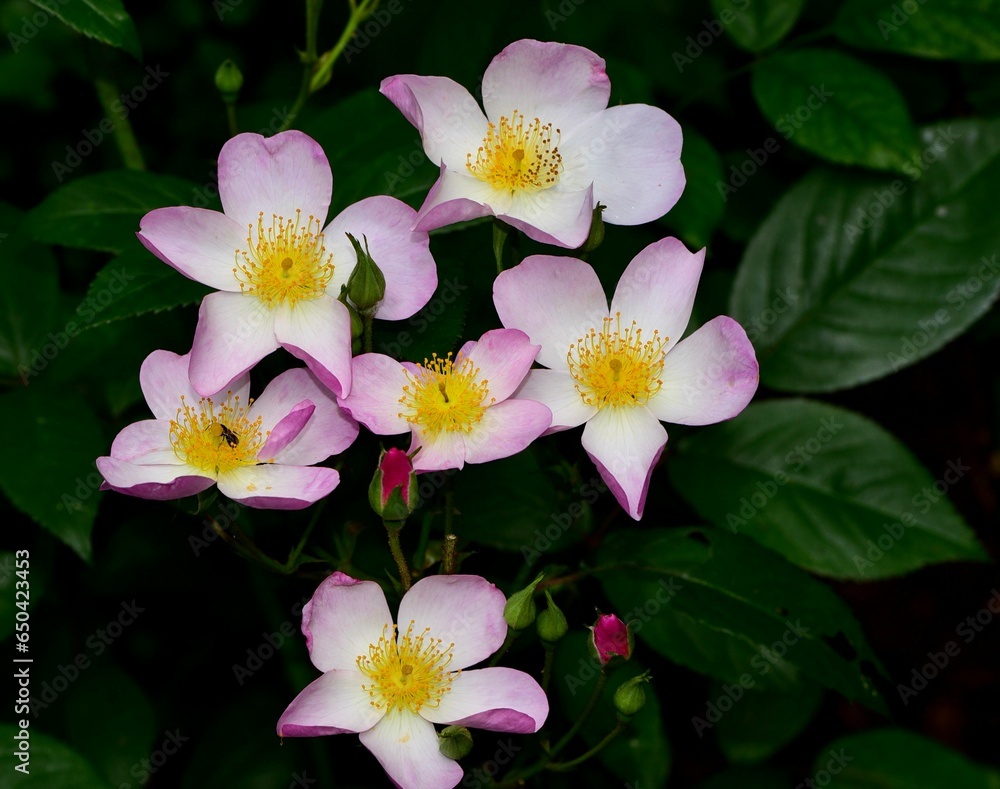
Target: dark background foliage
(841,160)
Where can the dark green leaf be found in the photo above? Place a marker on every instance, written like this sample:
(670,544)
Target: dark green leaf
(135,283)
(837,107)
(510,504)
(111,720)
(757,24)
(764,720)
(747,778)
(52,764)
(700,208)
(104,20)
(787,474)
(725,606)
(640,755)
(901,760)
(27,299)
(367,128)
(852,278)
(52,477)
(946,29)
(102,211)
(7,581)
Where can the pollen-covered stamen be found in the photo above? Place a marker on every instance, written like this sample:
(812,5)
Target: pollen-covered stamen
(615,367)
(445,395)
(286,262)
(408,672)
(217,437)
(518,156)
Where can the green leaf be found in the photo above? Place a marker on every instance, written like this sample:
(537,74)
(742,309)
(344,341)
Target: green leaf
(367,128)
(28,298)
(52,764)
(110,719)
(851,278)
(104,20)
(510,503)
(756,25)
(640,755)
(787,474)
(942,29)
(747,778)
(52,477)
(725,606)
(836,106)
(900,759)
(102,211)
(700,208)
(133,284)
(763,721)
(8,577)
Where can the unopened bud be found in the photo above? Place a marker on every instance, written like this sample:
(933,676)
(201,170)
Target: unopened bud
(366,285)
(393,489)
(551,622)
(455,742)
(521,609)
(596,230)
(228,81)
(610,639)
(631,695)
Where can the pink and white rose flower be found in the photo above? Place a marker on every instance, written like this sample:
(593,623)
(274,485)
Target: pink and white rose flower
(621,371)
(547,149)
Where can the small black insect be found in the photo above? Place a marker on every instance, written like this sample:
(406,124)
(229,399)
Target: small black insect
(225,433)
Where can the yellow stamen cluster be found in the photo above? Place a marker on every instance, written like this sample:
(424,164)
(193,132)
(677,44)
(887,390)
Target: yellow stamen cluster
(408,673)
(615,367)
(444,395)
(517,156)
(286,262)
(217,438)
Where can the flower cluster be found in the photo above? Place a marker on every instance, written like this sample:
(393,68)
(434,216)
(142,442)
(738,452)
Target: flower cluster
(546,156)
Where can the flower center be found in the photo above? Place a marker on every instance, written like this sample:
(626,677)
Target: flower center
(286,263)
(216,437)
(615,367)
(445,396)
(517,156)
(406,673)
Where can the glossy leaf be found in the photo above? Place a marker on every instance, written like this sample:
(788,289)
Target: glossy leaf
(722,605)
(52,478)
(944,29)
(787,474)
(836,106)
(700,208)
(102,211)
(850,279)
(756,25)
(52,764)
(763,721)
(103,20)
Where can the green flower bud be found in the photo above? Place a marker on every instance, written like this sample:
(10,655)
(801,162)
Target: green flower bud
(596,230)
(631,695)
(551,623)
(366,285)
(520,609)
(228,81)
(455,742)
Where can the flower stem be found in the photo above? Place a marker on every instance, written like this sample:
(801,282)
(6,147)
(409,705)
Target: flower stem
(508,640)
(368,331)
(128,146)
(449,551)
(561,766)
(293,557)
(602,680)
(397,554)
(234,127)
(500,232)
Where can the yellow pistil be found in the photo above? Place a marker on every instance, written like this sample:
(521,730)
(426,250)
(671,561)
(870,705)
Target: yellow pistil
(445,395)
(409,673)
(613,367)
(217,437)
(286,262)
(517,156)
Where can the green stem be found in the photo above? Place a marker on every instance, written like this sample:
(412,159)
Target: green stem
(602,680)
(359,13)
(508,640)
(397,554)
(449,554)
(293,558)
(500,232)
(234,127)
(562,766)
(368,324)
(550,655)
(420,555)
(128,146)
